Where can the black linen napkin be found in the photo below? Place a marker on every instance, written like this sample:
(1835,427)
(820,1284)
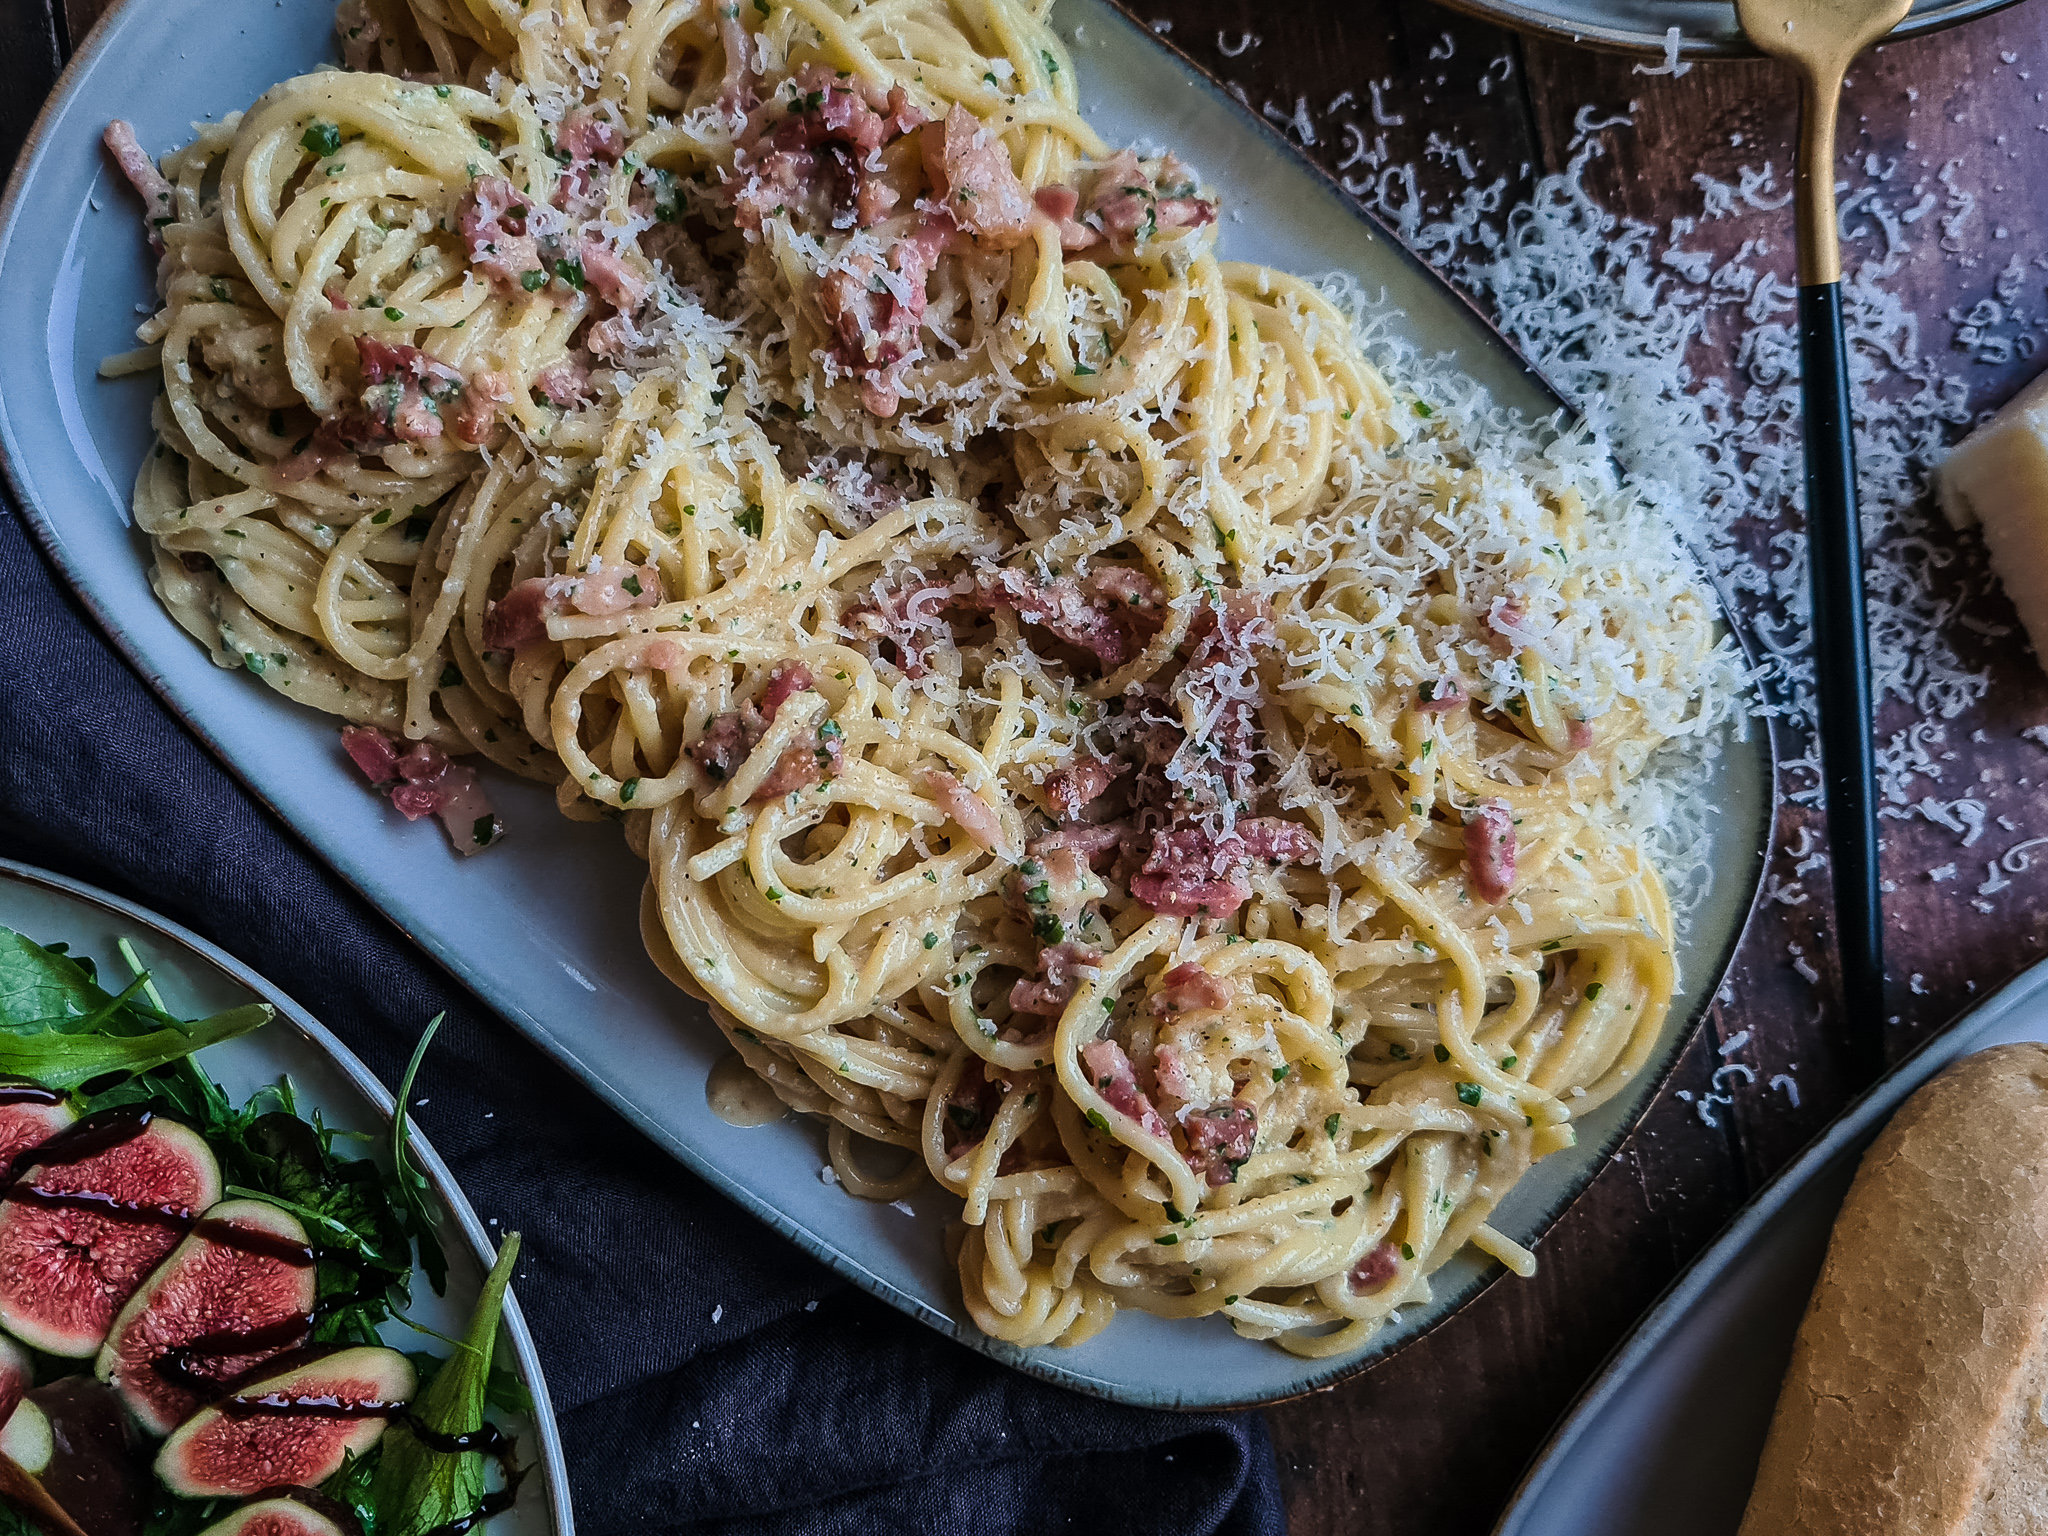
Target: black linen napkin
(708,1376)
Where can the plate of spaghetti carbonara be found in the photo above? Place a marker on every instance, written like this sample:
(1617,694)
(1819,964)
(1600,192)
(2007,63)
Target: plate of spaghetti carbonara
(1128,753)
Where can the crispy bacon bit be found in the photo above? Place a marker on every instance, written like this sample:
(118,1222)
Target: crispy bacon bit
(1279,841)
(1192,873)
(1059,604)
(731,738)
(727,741)
(1372,1272)
(1187,988)
(144,176)
(1189,873)
(815,155)
(800,767)
(1060,203)
(565,384)
(404,389)
(477,412)
(421,781)
(1124,205)
(909,620)
(1222,681)
(493,218)
(585,135)
(1073,790)
(618,284)
(1490,850)
(1092,843)
(971,178)
(1506,619)
(520,617)
(1220,1138)
(1170,1072)
(1442,697)
(1060,966)
(789,679)
(968,810)
(875,314)
(1109,1070)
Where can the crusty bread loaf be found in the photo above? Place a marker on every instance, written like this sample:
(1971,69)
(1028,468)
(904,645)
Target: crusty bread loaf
(1914,1402)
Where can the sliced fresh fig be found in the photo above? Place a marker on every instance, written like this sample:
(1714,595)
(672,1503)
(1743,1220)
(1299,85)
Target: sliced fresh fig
(17,1374)
(96,1210)
(238,1291)
(292,1425)
(287,1516)
(25,1439)
(93,1472)
(29,1116)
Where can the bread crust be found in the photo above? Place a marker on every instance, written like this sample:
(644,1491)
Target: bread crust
(1915,1348)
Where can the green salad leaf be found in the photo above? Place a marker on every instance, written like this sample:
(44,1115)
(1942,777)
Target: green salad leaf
(416,1208)
(418,1488)
(59,1026)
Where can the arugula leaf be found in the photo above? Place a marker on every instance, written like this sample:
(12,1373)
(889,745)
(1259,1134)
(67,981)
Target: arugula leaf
(39,984)
(418,1488)
(350,1486)
(62,1060)
(415,1203)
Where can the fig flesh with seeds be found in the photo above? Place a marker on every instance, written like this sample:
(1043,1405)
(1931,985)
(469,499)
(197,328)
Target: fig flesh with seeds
(27,1122)
(79,1233)
(237,1291)
(292,1424)
(287,1515)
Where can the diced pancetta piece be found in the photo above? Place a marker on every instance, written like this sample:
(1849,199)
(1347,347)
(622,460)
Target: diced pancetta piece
(493,217)
(910,620)
(586,134)
(1220,1138)
(520,617)
(789,679)
(1072,790)
(1060,967)
(1442,697)
(404,389)
(144,176)
(799,767)
(1490,850)
(565,383)
(422,781)
(971,177)
(1093,843)
(875,313)
(1191,873)
(1060,203)
(1059,604)
(1278,841)
(1188,988)
(1109,1071)
(967,810)
(1578,734)
(726,742)
(1371,1273)
(613,280)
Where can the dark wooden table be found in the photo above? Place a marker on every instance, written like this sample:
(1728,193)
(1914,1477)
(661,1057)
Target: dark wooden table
(1434,1439)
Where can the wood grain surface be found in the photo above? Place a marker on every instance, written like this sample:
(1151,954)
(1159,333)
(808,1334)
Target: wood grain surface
(1435,1439)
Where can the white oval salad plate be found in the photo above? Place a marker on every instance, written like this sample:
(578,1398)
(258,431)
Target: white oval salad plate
(196,979)
(1666,1439)
(546,928)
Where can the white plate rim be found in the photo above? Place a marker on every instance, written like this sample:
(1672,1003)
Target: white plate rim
(554,1466)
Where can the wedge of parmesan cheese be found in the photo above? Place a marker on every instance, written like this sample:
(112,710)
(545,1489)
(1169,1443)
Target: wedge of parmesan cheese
(1997,478)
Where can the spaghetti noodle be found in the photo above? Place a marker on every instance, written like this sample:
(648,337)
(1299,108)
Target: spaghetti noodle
(1087,726)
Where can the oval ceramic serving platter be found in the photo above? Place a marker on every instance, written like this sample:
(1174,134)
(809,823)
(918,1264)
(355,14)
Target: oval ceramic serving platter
(197,979)
(546,928)
(1665,1441)
(1707,29)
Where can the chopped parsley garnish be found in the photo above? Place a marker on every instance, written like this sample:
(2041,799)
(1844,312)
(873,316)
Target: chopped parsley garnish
(321,139)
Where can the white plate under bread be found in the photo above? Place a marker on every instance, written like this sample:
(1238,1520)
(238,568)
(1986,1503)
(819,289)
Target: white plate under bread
(1667,1438)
